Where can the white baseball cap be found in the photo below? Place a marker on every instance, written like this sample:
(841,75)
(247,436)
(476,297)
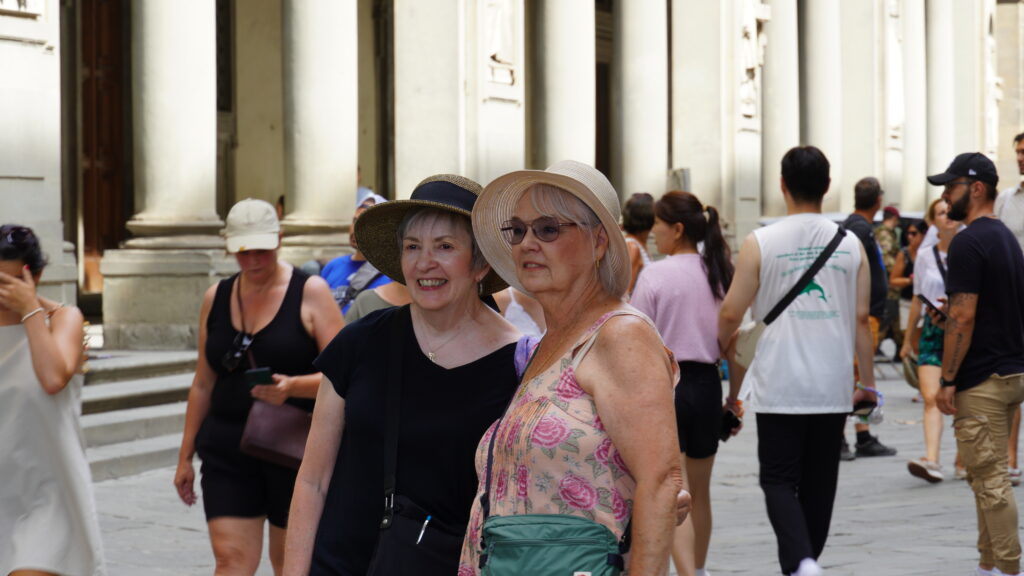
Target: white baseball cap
(252,225)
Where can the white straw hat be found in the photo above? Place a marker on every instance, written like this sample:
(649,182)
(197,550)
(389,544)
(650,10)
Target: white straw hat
(498,201)
(252,225)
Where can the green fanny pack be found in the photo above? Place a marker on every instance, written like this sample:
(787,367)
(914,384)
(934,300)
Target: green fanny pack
(549,545)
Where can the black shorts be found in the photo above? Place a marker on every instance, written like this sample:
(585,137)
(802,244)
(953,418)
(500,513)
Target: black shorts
(699,408)
(236,484)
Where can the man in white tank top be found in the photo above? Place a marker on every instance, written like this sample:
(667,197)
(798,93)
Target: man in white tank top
(800,382)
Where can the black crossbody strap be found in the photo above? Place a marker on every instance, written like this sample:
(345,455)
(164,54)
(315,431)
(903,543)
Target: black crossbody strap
(938,260)
(807,277)
(393,400)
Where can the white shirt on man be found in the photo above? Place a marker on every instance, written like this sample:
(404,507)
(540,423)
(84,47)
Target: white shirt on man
(1010,209)
(804,359)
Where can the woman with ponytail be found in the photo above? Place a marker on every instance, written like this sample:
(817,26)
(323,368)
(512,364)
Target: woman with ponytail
(682,294)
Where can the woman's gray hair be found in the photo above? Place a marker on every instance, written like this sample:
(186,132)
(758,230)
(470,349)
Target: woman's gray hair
(418,215)
(551,200)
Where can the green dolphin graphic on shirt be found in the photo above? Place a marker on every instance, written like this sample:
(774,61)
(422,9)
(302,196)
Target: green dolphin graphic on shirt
(813,287)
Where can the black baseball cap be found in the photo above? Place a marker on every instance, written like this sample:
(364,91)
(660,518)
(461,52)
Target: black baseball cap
(968,165)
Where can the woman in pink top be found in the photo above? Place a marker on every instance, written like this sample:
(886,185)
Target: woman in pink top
(682,293)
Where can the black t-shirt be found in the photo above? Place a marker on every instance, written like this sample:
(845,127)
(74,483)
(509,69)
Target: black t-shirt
(860,226)
(443,415)
(985,259)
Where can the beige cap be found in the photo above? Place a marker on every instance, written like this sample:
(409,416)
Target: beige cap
(252,225)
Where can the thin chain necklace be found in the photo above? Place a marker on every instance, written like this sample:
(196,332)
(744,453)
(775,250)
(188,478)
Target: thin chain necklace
(536,364)
(433,350)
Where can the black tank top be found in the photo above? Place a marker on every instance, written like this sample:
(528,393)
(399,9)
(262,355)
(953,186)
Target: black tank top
(283,345)
(908,269)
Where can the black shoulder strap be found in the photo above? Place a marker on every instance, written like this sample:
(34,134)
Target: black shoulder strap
(807,277)
(938,260)
(392,405)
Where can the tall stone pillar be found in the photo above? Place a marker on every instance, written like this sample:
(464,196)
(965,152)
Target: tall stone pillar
(644,90)
(174,106)
(822,97)
(942,30)
(863,129)
(1009,30)
(564,87)
(781,82)
(321,121)
(152,289)
(915,116)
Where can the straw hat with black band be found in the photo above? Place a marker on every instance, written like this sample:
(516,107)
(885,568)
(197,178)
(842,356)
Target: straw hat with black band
(498,202)
(377,228)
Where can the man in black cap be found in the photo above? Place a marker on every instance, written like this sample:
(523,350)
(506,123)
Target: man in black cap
(983,355)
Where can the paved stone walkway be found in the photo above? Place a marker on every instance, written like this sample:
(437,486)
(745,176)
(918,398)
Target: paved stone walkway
(886,522)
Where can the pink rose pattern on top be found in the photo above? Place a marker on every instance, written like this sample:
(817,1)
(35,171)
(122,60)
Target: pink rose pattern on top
(552,456)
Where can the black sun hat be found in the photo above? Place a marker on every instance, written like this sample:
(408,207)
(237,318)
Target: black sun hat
(377,228)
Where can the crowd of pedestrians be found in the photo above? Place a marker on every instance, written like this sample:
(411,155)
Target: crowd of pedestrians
(518,387)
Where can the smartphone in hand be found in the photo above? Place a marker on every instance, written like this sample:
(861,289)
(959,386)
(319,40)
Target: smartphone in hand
(258,377)
(730,421)
(931,305)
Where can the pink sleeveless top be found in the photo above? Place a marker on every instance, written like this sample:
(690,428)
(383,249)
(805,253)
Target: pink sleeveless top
(552,455)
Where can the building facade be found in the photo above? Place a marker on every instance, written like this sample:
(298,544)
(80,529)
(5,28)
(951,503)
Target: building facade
(129,127)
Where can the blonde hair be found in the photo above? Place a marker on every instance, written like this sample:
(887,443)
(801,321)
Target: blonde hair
(551,200)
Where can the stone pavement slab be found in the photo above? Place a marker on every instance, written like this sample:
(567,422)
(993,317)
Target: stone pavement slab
(885,522)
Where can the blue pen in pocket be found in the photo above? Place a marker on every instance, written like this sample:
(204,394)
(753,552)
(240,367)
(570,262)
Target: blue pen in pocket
(424,529)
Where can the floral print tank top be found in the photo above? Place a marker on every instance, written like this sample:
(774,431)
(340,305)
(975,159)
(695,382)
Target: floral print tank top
(552,455)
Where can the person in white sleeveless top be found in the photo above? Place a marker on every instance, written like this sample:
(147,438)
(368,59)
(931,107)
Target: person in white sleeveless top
(48,520)
(800,382)
(521,311)
(637,221)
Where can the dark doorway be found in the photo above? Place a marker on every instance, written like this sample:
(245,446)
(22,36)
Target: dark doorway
(102,76)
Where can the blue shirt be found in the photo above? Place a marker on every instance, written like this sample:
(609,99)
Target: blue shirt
(338,271)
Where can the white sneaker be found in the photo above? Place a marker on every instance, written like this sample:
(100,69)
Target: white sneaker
(808,567)
(926,470)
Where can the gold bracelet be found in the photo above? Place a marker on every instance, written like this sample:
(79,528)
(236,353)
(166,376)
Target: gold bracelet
(31,314)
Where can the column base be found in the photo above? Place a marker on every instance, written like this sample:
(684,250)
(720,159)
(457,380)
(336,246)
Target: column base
(152,296)
(141,226)
(300,249)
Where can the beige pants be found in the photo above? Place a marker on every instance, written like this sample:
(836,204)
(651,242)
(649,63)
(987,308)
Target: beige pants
(982,423)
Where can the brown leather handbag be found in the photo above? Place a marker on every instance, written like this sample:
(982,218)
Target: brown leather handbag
(276,434)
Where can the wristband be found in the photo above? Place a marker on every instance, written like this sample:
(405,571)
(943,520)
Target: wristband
(946,383)
(31,314)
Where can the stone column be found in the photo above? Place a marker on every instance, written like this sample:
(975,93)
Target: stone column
(174,101)
(321,117)
(822,98)
(915,116)
(152,289)
(942,30)
(1009,29)
(862,113)
(781,82)
(644,48)
(565,85)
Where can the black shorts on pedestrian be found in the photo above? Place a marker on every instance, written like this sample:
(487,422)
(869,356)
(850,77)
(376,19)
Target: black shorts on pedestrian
(698,408)
(236,484)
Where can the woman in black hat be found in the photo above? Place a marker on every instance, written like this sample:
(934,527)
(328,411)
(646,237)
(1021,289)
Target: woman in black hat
(456,358)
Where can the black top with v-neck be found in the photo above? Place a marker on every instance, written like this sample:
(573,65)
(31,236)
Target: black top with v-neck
(283,345)
(443,414)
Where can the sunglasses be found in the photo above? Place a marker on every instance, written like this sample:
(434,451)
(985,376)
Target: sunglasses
(545,228)
(233,357)
(15,235)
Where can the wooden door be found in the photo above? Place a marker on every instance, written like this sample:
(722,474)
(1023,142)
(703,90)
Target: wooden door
(101,162)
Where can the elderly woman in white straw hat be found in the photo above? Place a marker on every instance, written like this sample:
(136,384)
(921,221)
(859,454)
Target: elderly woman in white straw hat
(407,393)
(590,434)
(270,319)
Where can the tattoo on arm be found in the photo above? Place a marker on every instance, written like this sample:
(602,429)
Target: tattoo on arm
(958,354)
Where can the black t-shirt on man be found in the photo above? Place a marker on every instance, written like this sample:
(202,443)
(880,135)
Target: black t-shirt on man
(985,259)
(443,415)
(860,226)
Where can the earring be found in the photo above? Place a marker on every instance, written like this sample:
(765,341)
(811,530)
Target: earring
(480,288)
(597,264)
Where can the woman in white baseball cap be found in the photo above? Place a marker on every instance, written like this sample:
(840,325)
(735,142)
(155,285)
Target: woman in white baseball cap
(269,320)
